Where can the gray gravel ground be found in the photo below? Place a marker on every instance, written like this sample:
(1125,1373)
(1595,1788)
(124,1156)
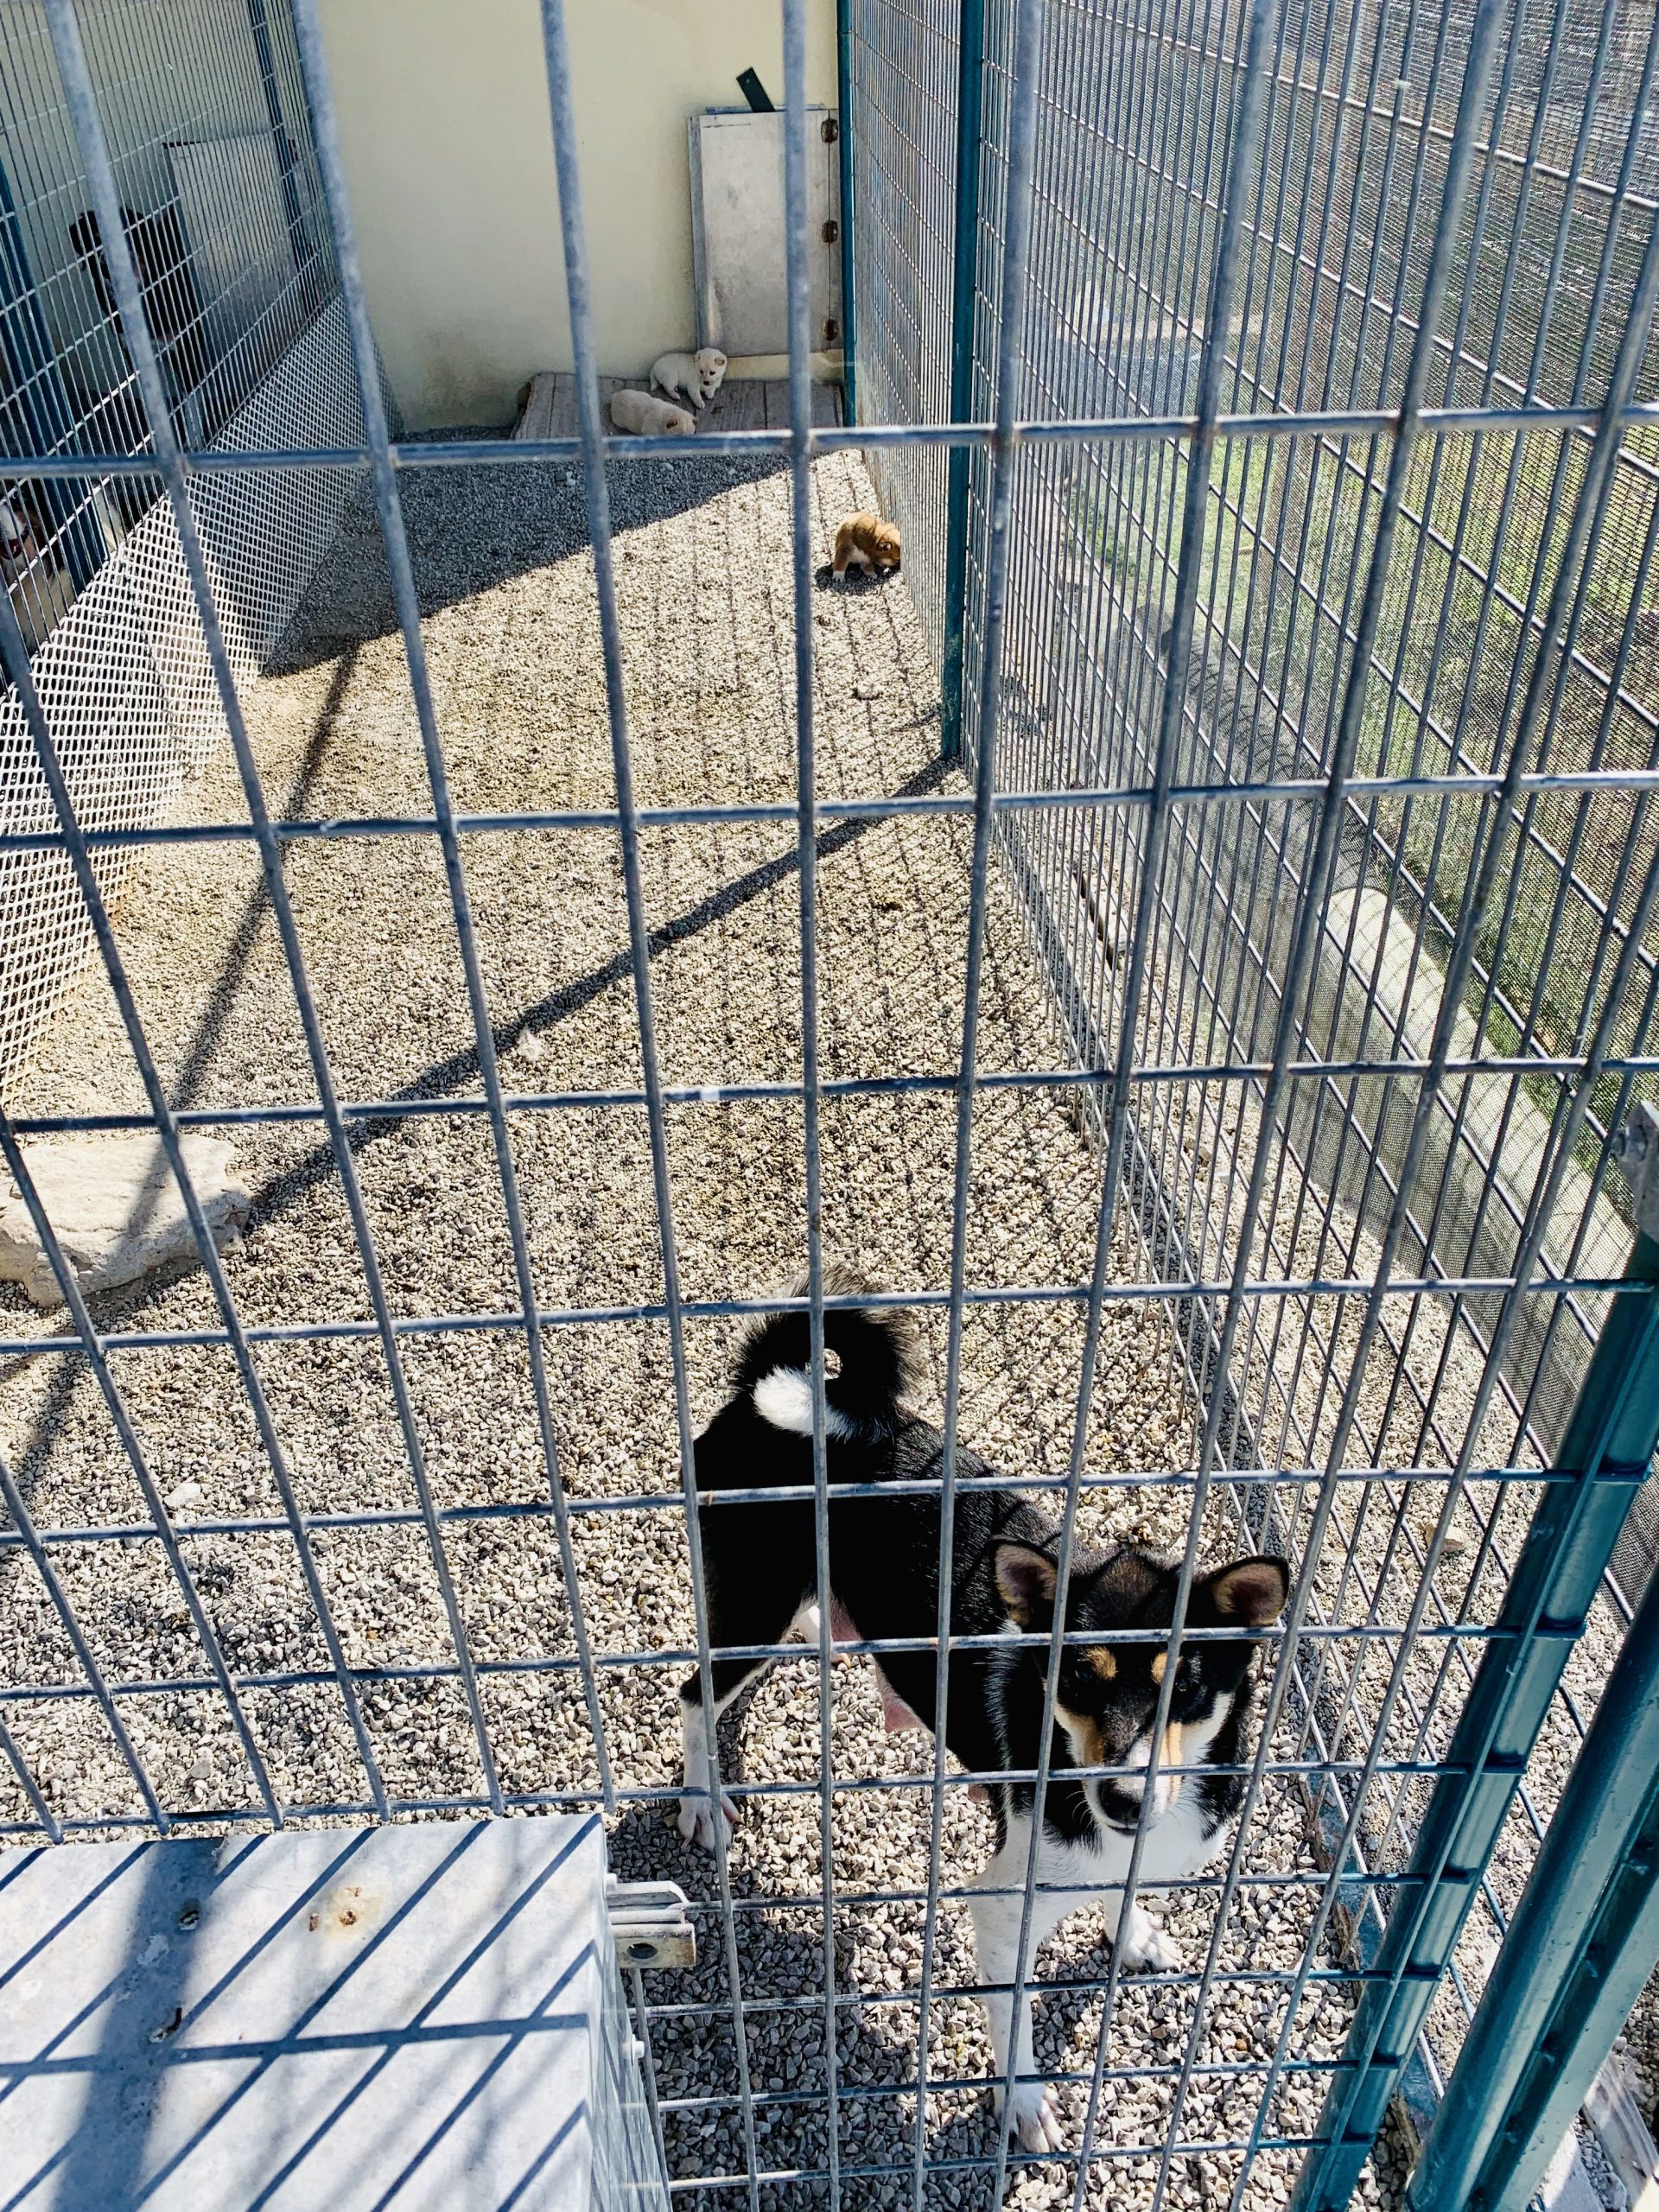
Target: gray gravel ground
(513,649)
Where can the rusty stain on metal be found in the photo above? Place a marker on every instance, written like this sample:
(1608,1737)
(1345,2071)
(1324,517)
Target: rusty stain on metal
(349,1905)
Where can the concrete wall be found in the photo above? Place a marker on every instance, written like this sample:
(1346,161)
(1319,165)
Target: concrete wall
(444,116)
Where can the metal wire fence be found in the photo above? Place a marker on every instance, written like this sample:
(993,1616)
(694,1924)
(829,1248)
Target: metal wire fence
(1306,731)
(219,200)
(1368,1046)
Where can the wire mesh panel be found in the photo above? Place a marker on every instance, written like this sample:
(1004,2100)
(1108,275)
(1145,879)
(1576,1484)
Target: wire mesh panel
(904,159)
(1271,970)
(212,154)
(588,951)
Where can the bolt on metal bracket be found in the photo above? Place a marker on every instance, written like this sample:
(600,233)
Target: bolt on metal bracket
(650,1924)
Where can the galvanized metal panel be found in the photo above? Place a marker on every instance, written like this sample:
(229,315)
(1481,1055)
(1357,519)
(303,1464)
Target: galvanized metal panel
(230,194)
(738,231)
(411,2016)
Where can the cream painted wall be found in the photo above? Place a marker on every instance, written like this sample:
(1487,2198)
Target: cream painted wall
(444,119)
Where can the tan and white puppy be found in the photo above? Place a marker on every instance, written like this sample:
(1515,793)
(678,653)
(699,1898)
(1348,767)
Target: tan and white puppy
(865,541)
(647,416)
(698,375)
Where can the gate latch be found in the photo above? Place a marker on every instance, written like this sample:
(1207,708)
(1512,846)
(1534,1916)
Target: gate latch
(651,1925)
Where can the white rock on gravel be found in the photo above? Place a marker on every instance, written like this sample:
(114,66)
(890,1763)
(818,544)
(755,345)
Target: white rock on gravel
(116,1210)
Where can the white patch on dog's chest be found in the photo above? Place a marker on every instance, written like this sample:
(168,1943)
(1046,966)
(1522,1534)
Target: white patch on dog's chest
(1175,1848)
(783,1397)
(1179,1844)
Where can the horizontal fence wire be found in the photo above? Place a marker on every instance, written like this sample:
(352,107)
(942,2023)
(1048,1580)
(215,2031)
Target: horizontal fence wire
(1291,332)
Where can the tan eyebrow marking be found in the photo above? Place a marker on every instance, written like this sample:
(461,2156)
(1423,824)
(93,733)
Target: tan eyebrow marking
(1085,1736)
(1174,1746)
(1102,1661)
(1159,1661)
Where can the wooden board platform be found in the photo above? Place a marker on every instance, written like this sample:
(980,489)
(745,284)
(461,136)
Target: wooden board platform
(743,403)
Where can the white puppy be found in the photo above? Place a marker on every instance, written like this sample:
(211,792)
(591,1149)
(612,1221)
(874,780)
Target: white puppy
(698,375)
(647,416)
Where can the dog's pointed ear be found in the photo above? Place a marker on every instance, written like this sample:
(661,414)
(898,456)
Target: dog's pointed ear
(1252,1591)
(1025,1581)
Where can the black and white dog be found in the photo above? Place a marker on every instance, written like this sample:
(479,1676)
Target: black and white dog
(758,1567)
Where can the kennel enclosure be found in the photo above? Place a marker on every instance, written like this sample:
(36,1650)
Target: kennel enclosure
(1262,785)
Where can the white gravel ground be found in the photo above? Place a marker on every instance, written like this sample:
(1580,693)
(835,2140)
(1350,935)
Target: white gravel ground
(513,649)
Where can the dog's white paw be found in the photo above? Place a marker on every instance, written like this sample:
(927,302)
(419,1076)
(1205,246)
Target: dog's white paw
(1033,2114)
(1146,1946)
(696,1820)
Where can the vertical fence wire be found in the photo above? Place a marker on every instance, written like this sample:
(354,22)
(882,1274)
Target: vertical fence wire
(1245,127)
(125,283)
(798,285)
(906,72)
(596,496)
(389,515)
(1027,61)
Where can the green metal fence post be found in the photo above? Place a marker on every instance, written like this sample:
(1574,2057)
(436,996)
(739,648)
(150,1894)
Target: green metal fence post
(844,151)
(1585,1937)
(964,287)
(1608,1446)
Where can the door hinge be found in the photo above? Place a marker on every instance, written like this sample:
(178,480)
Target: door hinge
(650,1923)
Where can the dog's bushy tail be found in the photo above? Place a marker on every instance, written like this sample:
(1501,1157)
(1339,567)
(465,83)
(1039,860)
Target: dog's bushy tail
(873,1363)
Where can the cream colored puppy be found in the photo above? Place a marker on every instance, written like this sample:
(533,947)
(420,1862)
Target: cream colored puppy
(698,375)
(647,416)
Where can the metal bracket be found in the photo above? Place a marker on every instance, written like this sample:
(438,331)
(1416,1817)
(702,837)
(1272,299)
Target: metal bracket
(651,1925)
(1636,1149)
